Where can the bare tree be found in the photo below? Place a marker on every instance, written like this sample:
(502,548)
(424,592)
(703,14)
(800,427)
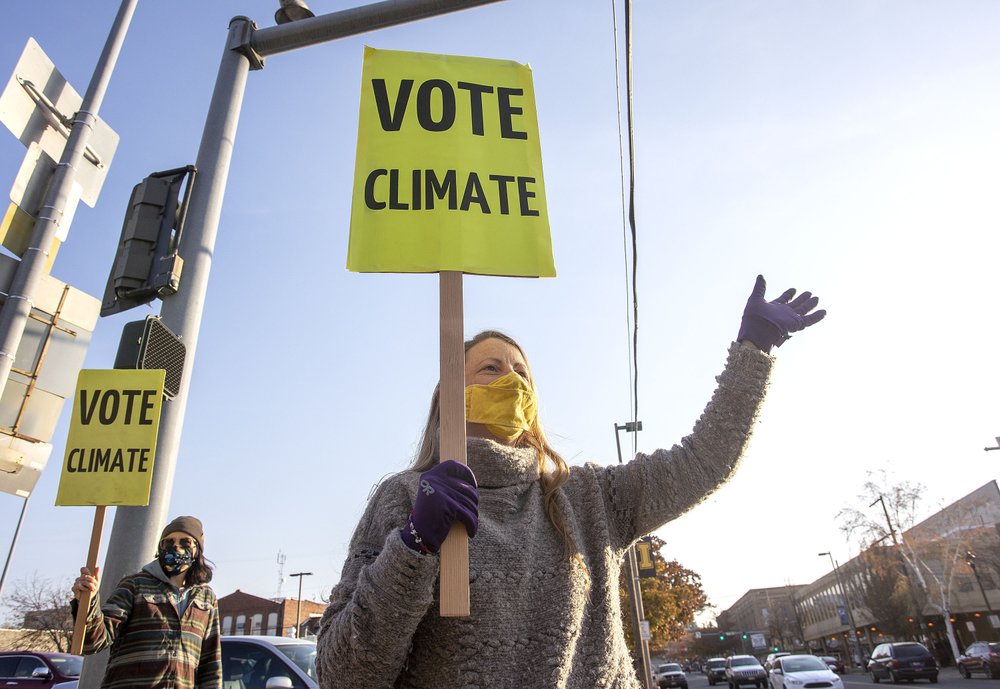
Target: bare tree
(934,551)
(39,610)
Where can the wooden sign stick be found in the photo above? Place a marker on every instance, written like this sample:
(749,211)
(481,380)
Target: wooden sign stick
(76,648)
(455,549)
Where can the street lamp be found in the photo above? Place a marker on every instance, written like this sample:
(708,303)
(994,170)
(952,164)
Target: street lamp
(847,603)
(987,449)
(298,603)
(970,559)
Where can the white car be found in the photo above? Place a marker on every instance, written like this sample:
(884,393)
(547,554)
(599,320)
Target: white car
(798,671)
(670,675)
(268,662)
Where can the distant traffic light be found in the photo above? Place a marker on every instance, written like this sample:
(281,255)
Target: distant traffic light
(775,649)
(722,637)
(744,635)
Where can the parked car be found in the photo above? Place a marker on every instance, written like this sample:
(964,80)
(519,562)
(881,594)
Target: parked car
(37,670)
(742,670)
(835,663)
(907,660)
(795,671)
(670,675)
(268,662)
(715,670)
(981,656)
(771,657)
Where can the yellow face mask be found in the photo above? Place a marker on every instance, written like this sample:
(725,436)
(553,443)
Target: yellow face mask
(507,406)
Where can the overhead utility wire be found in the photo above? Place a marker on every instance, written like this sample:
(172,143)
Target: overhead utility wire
(631,208)
(621,174)
(634,358)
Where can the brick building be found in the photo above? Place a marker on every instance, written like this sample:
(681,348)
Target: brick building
(245,614)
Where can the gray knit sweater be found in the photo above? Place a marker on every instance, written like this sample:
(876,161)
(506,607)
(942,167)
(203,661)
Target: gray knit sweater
(539,619)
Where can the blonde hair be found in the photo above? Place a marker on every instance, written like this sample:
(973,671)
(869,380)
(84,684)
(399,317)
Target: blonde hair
(553,471)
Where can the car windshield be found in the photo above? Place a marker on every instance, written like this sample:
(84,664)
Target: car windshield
(910,651)
(744,661)
(69,666)
(670,667)
(995,648)
(303,655)
(716,663)
(802,664)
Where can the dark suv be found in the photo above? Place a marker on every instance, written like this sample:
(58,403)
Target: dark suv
(715,670)
(908,660)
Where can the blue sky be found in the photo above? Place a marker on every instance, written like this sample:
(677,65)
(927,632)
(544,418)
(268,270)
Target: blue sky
(848,148)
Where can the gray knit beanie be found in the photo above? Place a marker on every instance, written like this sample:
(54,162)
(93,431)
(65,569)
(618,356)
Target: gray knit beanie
(189,525)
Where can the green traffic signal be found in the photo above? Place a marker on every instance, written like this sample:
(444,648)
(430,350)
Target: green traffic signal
(722,637)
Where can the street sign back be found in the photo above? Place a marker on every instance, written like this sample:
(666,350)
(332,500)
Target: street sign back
(35,81)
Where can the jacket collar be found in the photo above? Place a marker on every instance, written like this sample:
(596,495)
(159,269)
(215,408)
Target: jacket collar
(497,465)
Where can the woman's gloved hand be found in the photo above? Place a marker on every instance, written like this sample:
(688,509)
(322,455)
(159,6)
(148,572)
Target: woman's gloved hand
(769,323)
(448,492)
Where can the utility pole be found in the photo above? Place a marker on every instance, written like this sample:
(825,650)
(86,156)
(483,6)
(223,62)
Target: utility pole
(634,588)
(847,604)
(917,607)
(298,603)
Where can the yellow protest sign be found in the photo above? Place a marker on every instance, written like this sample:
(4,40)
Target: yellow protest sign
(112,438)
(448,174)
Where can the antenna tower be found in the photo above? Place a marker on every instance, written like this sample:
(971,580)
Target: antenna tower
(281,572)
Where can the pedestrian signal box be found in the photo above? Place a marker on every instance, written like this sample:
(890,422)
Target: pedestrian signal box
(149,344)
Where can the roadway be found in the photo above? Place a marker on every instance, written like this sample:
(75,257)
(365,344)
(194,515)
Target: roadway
(947,679)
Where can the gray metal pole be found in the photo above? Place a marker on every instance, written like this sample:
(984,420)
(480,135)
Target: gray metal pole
(353,21)
(17,307)
(136,529)
(634,588)
(17,532)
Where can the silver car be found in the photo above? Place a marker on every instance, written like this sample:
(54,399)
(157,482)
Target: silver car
(268,662)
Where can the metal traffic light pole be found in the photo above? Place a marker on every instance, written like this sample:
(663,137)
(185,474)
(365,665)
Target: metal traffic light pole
(135,530)
(17,307)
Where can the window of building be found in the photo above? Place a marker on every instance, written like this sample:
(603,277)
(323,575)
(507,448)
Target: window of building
(241,625)
(227,624)
(272,623)
(255,623)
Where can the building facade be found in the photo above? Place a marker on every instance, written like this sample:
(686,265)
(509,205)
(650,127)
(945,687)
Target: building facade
(937,581)
(245,614)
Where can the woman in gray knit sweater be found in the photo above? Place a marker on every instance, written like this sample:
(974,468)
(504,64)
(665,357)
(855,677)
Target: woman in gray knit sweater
(548,539)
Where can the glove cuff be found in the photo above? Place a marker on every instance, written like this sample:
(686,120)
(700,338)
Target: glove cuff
(762,332)
(413,540)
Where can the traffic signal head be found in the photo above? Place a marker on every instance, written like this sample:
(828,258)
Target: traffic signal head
(744,636)
(722,637)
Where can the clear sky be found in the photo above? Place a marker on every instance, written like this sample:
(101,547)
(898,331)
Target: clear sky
(849,148)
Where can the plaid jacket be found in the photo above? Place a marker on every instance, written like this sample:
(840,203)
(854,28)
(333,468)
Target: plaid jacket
(152,647)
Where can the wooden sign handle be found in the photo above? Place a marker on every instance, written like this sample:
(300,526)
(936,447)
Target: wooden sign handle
(80,628)
(455,549)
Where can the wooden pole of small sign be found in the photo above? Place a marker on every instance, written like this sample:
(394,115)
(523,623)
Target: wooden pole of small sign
(80,627)
(455,549)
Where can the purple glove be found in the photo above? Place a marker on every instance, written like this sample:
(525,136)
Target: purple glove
(446,493)
(768,323)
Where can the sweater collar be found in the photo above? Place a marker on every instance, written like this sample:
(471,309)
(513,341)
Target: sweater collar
(497,465)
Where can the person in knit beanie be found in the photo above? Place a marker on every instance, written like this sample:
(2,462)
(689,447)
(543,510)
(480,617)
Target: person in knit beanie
(162,624)
(547,539)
